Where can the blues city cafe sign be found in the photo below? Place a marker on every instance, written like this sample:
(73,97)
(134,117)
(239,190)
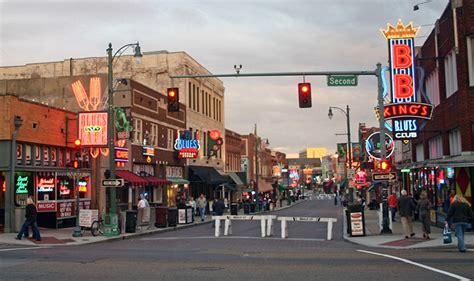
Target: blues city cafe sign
(187,145)
(404,110)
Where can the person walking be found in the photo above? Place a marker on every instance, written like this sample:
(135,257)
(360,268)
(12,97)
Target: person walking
(192,204)
(30,216)
(424,206)
(218,208)
(392,204)
(201,204)
(461,214)
(406,207)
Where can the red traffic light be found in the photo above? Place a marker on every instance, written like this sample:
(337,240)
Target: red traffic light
(173,99)
(77,142)
(304,95)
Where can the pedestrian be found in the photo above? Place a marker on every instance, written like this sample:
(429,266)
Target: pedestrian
(143,203)
(461,214)
(335,198)
(424,207)
(218,208)
(406,207)
(201,204)
(192,204)
(30,216)
(392,204)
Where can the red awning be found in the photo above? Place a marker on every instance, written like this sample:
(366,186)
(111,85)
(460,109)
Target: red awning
(131,178)
(264,186)
(156,181)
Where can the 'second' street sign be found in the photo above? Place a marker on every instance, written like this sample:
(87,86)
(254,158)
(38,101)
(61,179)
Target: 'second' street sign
(113,183)
(342,80)
(384,176)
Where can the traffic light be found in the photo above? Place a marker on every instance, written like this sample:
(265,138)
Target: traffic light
(304,95)
(385,165)
(173,99)
(77,163)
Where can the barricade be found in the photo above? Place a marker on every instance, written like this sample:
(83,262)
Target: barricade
(228,223)
(284,225)
(323,196)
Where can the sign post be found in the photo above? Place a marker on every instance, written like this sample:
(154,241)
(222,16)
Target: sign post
(113,183)
(342,80)
(391,176)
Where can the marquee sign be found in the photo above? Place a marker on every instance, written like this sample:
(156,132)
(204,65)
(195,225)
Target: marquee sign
(186,145)
(93,128)
(373,145)
(404,110)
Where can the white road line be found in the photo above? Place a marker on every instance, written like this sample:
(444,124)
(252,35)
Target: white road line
(16,249)
(418,264)
(234,237)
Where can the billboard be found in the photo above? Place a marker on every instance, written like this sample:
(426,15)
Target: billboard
(93,128)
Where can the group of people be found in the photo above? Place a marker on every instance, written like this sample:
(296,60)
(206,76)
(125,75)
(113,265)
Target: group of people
(459,214)
(199,206)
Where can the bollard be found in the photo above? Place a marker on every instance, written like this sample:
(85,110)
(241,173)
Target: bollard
(217,231)
(228,227)
(263,226)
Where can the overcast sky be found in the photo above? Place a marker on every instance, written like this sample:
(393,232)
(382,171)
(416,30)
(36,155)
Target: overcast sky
(261,35)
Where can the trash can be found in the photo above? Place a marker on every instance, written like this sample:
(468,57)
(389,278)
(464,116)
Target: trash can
(172,216)
(131,221)
(189,214)
(246,208)
(355,220)
(234,209)
(252,207)
(161,220)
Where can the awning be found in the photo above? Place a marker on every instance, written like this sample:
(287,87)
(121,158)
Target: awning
(264,186)
(243,177)
(229,186)
(177,180)
(156,181)
(236,179)
(206,174)
(131,178)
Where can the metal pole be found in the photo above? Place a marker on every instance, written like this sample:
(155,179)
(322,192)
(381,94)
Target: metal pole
(77,229)
(256,167)
(9,193)
(111,133)
(309,73)
(349,151)
(385,218)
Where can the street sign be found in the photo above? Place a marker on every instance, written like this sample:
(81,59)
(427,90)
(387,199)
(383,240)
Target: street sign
(342,80)
(113,183)
(384,176)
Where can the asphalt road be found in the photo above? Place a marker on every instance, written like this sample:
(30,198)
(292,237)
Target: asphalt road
(194,254)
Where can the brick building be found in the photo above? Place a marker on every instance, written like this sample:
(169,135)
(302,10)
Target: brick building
(443,158)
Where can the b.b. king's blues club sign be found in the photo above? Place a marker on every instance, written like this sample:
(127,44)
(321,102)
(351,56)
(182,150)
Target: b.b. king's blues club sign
(187,145)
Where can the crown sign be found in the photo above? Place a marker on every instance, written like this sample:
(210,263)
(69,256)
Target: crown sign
(400,31)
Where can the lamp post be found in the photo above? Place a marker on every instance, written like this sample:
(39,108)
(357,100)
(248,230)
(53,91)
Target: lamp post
(349,149)
(110,124)
(9,193)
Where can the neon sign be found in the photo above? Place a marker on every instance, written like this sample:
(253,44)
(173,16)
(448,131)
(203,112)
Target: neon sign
(121,154)
(82,186)
(45,185)
(93,129)
(402,73)
(82,99)
(64,187)
(373,145)
(21,185)
(148,151)
(187,146)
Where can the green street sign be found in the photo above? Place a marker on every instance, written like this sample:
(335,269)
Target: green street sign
(342,80)
(405,170)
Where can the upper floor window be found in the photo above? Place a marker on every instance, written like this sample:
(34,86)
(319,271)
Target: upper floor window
(470,59)
(137,130)
(432,87)
(420,155)
(170,142)
(455,142)
(435,147)
(450,73)
(154,135)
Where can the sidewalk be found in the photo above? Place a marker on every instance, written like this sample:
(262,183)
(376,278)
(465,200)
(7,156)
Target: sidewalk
(397,240)
(63,236)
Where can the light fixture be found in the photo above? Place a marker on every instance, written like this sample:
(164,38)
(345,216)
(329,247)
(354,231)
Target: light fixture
(417,6)
(330,115)
(138,54)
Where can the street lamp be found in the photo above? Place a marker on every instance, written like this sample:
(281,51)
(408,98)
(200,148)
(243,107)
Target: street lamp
(110,125)
(9,193)
(349,149)
(416,7)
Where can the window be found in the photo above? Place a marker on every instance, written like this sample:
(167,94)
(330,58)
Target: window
(450,73)
(202,99)
(435,147)
(194,97)
(432,87)
(420,155)
(197,101)
(455,142)
(137,130)
(154,135)
(170,142)
(470,59)
(189,94)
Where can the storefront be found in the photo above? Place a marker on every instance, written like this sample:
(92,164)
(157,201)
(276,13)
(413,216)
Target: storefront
(205,180)
(178,191)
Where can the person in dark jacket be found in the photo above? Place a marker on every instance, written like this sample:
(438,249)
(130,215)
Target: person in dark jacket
(30,220)
(423,207)
(461,214)
(406,207)
(218,208)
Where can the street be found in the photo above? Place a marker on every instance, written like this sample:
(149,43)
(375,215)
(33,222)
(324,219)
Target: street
(195,254)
